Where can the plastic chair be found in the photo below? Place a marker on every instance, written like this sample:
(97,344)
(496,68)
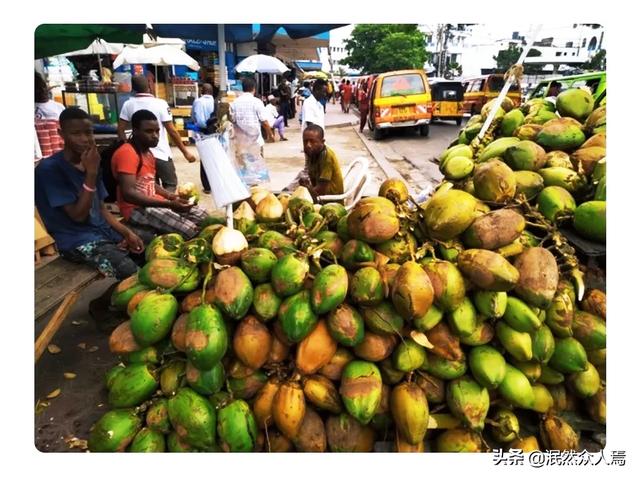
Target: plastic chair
(355,179)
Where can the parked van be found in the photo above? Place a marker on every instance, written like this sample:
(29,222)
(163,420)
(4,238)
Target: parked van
(596,81)
(400,99)
(446,99)
(480,90)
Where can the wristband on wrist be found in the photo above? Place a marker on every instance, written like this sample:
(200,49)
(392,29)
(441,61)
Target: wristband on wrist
(89,189)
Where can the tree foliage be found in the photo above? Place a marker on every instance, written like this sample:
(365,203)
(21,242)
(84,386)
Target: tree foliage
(376,48)
(506,58)
(597,62)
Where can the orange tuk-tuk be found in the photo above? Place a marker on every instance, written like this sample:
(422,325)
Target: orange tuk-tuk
(446,99)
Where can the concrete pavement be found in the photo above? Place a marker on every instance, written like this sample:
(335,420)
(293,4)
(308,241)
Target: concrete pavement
(286,159)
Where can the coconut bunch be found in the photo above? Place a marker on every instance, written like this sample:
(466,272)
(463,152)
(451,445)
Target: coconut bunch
(552,156)
(441,327)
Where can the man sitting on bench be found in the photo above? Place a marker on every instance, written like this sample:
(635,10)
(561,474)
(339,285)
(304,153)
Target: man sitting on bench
(69,195)
(148,208)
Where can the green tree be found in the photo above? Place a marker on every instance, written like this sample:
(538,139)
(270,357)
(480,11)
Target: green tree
(380,48)
(597,62)
(508,57)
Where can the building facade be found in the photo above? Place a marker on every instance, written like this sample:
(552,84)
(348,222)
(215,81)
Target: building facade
(559,48)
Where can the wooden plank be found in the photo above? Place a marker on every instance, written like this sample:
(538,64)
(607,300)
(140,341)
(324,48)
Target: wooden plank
(54,324)
(43,242)
(59,268)
(56,279)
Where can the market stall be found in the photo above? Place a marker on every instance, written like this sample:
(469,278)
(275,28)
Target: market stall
(93,89)
(178,91)
(471,321)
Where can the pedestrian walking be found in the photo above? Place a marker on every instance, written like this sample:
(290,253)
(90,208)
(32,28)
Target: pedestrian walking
(363,105)
(346,96)
(312,109)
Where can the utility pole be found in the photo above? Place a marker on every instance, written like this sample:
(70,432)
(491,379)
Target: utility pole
(330,59)
(439,49)
(443,57)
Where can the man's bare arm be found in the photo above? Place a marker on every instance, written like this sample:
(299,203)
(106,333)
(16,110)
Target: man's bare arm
(122,126)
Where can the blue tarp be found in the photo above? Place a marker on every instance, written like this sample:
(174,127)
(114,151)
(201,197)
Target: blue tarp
(234,32)
(238,33)
(309,65)
(201,45)
(295,30)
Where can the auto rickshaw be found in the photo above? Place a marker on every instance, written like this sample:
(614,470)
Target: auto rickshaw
(446,99)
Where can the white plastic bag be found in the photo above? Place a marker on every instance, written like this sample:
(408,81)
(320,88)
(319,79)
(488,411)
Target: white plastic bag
(249,161)
(226,185)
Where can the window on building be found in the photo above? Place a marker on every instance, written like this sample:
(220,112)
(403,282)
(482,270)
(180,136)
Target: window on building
(558,54)
(584,42)
(569,45)
(565,54)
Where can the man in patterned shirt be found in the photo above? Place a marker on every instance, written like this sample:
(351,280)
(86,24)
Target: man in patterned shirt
(248,114)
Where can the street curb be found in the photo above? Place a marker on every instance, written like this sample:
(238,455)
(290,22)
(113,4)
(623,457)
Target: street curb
(388,169)
(375,152)
(340,125)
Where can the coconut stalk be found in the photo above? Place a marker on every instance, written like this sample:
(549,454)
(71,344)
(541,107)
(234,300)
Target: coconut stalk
(512,75)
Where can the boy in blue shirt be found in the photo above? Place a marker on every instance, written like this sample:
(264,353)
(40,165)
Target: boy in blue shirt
(69,195)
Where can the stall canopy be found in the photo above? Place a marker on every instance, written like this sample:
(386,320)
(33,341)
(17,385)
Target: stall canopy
(294,30)
(237,32)
(160,55)
(199,31)
(261,64)
(56,39)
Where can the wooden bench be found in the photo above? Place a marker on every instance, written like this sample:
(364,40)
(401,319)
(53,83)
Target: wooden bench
(58,283)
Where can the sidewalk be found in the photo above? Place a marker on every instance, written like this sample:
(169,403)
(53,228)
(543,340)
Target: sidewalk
(286,159)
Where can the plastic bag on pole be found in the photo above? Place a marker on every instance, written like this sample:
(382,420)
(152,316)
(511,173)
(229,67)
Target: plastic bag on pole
(251,165)
(226,185)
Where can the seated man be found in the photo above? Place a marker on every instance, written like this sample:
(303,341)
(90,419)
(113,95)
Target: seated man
(275,119)
(148,208)
(69,195)
(321,174)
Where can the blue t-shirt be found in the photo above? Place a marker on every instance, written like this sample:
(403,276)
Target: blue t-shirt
(57,183)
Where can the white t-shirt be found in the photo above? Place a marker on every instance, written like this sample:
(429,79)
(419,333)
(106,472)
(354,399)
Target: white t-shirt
(313,112)
(48,111)
(161,109)
(273,112)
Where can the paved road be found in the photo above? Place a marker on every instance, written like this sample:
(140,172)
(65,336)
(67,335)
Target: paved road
(412,155)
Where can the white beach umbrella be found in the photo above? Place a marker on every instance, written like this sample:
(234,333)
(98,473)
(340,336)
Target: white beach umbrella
(160,55)
(261,64)
(98,47)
